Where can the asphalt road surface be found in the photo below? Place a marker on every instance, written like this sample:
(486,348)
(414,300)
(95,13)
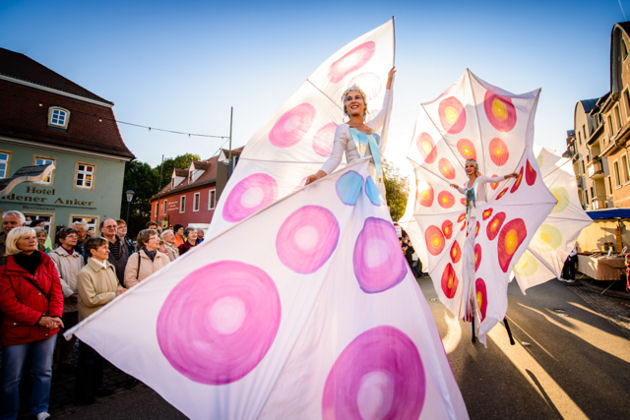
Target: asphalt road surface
(571,360)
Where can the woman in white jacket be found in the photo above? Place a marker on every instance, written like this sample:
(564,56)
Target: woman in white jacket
(475,192)
(147,260)
(68,263)
(358,138)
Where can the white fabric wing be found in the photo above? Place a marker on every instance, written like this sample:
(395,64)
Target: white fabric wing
(557,235)
(298,137)
(474,119)
(318,317)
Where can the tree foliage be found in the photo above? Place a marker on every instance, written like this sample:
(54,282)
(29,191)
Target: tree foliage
(180,162)
(396,188)
(145,182)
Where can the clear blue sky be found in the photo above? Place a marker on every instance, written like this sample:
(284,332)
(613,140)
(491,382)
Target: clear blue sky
(181,65)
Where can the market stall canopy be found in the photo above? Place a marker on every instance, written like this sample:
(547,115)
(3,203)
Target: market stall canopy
(614,213)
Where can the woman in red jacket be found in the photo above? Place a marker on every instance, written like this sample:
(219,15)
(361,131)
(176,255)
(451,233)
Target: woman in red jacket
(32,304)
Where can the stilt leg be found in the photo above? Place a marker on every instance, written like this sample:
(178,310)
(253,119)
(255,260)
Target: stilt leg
(507,327)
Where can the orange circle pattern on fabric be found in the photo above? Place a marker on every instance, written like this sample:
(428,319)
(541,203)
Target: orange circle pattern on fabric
(452,115)
(500,111)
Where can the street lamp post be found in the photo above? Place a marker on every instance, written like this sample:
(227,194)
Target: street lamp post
(129,194)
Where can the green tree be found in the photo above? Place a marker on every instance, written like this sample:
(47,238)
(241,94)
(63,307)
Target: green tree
(396,188)
(141,179)
(180,162)
(145,182)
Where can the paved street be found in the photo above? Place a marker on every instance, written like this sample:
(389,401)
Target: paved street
(571,360)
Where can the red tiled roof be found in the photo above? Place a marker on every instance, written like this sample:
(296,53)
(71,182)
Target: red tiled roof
(19,66)
(209,177)
(201,164)
(92,127)
(236,151)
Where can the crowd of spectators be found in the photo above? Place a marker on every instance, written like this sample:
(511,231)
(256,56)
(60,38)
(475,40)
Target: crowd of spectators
(46,289)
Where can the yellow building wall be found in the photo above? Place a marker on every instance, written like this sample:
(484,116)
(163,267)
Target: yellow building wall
(593,237)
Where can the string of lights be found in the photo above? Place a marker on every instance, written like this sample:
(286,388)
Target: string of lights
(172,131)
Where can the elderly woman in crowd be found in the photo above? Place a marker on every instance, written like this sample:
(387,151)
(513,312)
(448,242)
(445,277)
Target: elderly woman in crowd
(147,260)
(168,236)
(31,302)
(97,285)
(68,262)
(191,240)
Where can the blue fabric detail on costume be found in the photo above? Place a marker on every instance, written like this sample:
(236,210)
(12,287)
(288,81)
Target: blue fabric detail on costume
(349,187)
(470,197)
(371,190)
(360,138)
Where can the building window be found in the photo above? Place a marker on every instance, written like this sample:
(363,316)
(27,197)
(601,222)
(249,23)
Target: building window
(609,185)
(164,208)
(610,126)
(624,165)
(579,138)
(212,199)
(626,94)
(592,194)
(196,200)
(584,132)
(583,168)
(182,204)
(157,209)
(84,176)
(624,50)
(618,118)
(4,163)
(617,177)
(50,179)
(90,221)
(47,218)
(58,117)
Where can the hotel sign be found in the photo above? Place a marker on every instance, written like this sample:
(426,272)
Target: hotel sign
(47,196)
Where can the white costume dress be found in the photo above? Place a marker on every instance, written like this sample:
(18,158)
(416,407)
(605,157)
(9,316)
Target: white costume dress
(472,198)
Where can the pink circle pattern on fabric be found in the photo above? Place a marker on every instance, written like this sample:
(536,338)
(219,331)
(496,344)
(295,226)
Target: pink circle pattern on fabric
(307,239)
(378,262)
(291,127)
(379,375)
(351,61)
(251,194)
(218,323)
(324,138)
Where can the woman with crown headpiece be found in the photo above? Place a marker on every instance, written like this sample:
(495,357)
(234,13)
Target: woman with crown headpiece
(358,138)
(475,192)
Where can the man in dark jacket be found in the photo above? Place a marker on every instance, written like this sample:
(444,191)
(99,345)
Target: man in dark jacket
(118,251)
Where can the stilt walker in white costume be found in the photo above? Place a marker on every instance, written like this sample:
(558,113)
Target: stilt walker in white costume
(475,192)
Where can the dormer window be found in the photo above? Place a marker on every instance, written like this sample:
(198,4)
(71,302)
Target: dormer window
(58,117)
